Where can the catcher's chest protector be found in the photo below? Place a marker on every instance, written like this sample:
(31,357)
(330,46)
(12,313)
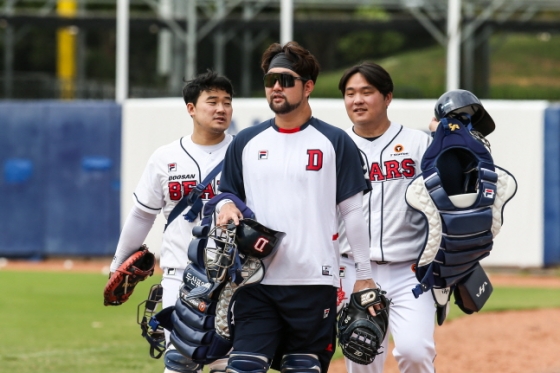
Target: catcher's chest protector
(462,195)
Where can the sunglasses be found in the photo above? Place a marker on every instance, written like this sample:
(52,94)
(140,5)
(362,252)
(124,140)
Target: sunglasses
(285,80)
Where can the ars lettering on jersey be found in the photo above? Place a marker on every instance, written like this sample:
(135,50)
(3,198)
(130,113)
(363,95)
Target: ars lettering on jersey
(392,169)
(178,189)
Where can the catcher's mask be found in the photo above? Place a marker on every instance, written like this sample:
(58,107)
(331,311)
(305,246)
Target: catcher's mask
(220,258)
(152,331)
(458,102)
(256,240)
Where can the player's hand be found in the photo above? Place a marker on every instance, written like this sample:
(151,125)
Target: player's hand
(229,212)
(433,124)
(367,284)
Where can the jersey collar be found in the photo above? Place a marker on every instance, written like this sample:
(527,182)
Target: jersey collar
(292,130)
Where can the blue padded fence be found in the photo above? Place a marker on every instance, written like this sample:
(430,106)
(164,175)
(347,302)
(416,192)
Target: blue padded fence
(551,206)
(59,190)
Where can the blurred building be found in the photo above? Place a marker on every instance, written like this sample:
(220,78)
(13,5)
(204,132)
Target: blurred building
(66,48)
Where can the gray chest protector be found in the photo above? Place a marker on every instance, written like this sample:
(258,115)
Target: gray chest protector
(462,194)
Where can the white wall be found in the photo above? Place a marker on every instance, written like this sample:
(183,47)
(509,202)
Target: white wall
(517,146)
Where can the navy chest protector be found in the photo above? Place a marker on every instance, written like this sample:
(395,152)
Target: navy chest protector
(462,195)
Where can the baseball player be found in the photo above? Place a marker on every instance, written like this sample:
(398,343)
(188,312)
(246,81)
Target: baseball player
(294,171)
(173,171)
(393,154)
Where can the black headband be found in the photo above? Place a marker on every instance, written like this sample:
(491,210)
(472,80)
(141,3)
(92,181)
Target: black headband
(281,60)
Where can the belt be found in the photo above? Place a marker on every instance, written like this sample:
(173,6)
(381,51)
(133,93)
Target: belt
(379,262)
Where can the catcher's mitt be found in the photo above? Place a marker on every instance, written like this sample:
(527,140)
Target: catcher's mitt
(122,282)
(360,335)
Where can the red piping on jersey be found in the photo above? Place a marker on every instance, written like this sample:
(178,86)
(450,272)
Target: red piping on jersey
(335,237)
(292,130)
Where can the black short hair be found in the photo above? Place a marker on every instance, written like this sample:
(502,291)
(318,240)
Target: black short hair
(205,82)
(304,63)
(375,75)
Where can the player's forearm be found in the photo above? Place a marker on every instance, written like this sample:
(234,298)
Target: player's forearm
(135,230)
(357,235)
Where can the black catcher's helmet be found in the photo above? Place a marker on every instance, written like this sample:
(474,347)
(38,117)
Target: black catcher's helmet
(455,102)
(256,240)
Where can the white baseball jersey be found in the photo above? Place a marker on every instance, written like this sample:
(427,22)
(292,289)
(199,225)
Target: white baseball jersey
(293,181)
(396,231)
(173,171)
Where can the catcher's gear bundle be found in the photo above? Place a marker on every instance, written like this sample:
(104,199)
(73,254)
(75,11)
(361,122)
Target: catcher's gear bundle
(223,259)
(122,282)
(462,195)
(360,334)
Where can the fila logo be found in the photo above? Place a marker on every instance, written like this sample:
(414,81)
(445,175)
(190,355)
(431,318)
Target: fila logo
(482,289)
(367,297)
(263,154)
(260,244)
(342,272)
(172,167)
(488,193)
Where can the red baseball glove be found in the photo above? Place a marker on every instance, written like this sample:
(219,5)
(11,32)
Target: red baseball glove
(122,282)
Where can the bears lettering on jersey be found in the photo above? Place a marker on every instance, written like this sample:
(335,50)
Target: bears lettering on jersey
(392,169)
(178,189)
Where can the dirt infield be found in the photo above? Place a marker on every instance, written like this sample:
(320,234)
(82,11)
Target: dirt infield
(505,342)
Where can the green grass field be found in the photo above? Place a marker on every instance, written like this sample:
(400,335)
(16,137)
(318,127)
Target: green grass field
(522,66)
(56,322)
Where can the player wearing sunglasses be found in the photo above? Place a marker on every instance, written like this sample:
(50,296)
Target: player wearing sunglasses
(295,172)
(283,92)
(285,80)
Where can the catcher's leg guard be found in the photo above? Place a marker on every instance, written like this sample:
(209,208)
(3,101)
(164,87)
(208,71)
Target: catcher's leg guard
(300,363)
(247,362)
(175,362)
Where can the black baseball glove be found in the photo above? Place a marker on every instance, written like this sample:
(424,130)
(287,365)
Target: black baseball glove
(136,268)
(360,335)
